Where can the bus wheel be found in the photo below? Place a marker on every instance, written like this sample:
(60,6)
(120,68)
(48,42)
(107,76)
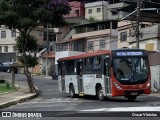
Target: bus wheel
(131,97)
(100,94)
(72,91)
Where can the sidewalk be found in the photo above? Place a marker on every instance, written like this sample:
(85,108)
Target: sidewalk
(21,95)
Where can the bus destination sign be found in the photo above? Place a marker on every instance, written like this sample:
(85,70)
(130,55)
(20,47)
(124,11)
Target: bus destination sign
(129,53)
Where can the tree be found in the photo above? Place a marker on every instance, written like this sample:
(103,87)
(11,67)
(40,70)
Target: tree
(25,15)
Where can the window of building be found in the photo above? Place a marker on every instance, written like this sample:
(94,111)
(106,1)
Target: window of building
(114,12)
(89,11)
(13,33)
(90,45)
(40,33)
(3,34)
(102,44)
(0,49)
(5,48)
(98,10)
(123,36)
(77,12)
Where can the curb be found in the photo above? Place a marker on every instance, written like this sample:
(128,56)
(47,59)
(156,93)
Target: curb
(17,101)
(155,94)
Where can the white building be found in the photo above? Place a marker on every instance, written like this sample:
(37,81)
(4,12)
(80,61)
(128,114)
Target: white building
(103,10)
(7,44)
(97,10)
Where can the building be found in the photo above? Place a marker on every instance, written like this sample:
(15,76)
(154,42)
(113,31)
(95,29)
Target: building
(77,9)
(124,33)
(148,39)
(7,44)
(99,35)
(113,12)
(96,10)
(88,38)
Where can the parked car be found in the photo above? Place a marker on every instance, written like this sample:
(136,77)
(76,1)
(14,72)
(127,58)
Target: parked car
(5,67)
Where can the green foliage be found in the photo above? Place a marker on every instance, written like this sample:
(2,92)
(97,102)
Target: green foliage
(23,14)
(29,60)
(26,43)
(92,19)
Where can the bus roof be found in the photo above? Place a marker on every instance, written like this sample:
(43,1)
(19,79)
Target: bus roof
(100,52)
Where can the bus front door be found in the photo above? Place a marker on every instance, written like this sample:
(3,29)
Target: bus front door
(107,78)
(80,78)
(63,78)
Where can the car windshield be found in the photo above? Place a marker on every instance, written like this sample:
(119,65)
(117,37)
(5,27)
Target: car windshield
(131,69)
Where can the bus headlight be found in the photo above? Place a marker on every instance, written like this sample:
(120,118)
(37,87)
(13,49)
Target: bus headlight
(117,86)
(148,85)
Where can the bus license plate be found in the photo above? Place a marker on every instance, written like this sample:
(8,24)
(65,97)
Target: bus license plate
(134,93)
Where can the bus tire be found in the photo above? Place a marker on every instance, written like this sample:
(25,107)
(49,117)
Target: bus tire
(72,91)
(131,98)
(100,94)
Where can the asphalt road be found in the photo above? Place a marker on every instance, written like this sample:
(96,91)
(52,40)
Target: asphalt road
(50,99)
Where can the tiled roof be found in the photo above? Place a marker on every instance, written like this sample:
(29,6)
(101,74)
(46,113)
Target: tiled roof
(49,55)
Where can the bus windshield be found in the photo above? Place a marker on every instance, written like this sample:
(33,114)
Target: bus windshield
(131,70)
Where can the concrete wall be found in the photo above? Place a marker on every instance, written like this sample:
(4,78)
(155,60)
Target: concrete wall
(142,44)
(41,68)
(155,78)
(39,33)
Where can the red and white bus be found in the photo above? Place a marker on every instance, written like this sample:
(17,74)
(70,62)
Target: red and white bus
(105,73)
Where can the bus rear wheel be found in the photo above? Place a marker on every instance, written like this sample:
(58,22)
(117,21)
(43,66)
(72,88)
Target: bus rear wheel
(72,91)
(100,94)
(131,97)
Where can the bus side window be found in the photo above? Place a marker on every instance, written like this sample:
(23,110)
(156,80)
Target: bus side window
(70,67)
(63,69)
(85,61)
(96,64)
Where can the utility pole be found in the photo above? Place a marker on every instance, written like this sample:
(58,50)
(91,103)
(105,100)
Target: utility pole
(138,22)
(47,41)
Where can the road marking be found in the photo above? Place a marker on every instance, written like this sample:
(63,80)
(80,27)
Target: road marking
(126,109)
(67,98)
(59,99)
(75,99)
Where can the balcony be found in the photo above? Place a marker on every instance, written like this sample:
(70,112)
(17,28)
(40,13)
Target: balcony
(96,29)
